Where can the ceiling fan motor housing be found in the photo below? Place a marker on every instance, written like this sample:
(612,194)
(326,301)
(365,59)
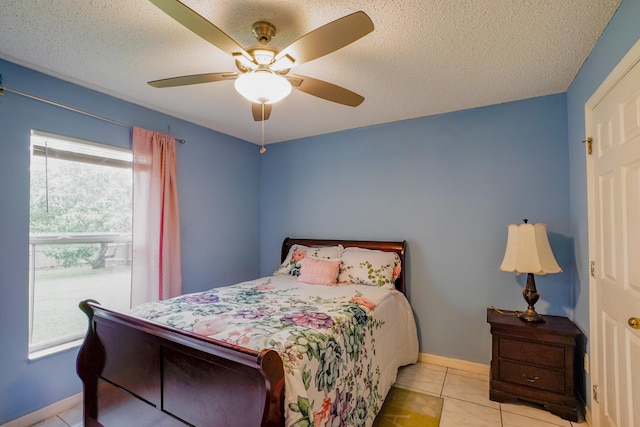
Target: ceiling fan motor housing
(263,31)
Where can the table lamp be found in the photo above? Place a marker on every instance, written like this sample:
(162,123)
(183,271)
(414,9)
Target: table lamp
(528,251)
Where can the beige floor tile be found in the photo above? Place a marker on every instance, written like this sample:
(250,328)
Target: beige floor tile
(468,374)
(514,420)
(51,422)
(432,367)
(468,388)
(458,413)
(73,416)
(531,411)
(421,377)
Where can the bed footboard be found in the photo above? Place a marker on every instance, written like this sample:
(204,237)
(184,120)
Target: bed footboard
(137,372)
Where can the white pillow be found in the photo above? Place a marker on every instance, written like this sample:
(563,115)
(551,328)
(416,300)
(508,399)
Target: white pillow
(369,267)
(291,265)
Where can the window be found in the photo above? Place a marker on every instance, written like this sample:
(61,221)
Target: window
(79,236)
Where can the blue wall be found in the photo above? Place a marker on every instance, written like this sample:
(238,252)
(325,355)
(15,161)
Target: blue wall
(620,35)
(449,185)
(217,177)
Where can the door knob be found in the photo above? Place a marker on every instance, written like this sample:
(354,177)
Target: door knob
(634,322)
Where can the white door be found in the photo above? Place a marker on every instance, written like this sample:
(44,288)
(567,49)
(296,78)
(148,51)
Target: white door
(613,123)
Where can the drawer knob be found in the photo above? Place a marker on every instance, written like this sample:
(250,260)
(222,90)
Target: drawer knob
(531,380)
(634,322)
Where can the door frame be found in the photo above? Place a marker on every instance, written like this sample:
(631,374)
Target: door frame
(624,66)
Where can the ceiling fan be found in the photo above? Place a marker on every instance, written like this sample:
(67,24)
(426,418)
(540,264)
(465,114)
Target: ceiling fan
(263,72)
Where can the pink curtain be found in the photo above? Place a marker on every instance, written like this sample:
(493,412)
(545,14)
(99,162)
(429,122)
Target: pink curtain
(156,268)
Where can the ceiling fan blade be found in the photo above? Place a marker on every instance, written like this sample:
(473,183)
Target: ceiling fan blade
(256,110)
(201,26)
(326,90)
(324,40)
(192,79)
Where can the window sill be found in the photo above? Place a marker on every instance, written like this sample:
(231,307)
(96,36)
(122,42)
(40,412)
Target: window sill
(40,354)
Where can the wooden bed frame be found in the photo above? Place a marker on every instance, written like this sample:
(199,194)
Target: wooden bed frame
(140,373)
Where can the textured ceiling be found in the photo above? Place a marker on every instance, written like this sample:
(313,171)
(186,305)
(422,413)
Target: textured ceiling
(424,57)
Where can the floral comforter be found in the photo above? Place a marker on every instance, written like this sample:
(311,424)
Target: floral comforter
(340,345)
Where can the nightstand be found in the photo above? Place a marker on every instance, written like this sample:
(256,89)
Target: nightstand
(538,362)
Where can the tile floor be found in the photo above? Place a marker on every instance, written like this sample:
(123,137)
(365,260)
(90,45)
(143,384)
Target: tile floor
(466,401)
(70,418)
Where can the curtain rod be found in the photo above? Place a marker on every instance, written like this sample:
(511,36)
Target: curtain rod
(4,88)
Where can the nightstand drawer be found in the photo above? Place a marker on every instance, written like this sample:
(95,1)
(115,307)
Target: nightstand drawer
(532,376)
(540,354)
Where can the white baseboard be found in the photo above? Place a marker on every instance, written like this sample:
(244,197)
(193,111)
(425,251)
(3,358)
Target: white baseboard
(447,362)
(46,412)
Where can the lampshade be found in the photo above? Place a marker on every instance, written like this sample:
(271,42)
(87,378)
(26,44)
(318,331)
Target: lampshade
(262,86)
(528,250)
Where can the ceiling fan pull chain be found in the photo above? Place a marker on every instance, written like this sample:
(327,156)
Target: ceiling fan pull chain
(262,149)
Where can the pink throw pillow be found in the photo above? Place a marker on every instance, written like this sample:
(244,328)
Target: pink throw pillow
(319,271)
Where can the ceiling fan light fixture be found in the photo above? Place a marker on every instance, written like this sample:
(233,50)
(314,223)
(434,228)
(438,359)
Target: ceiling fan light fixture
(263,86)
(263,56)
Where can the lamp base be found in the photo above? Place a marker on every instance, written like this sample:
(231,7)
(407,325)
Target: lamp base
(530,316)
(531,295)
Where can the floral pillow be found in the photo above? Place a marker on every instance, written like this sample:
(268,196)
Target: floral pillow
(319,271)
(291,265)
(369,267)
